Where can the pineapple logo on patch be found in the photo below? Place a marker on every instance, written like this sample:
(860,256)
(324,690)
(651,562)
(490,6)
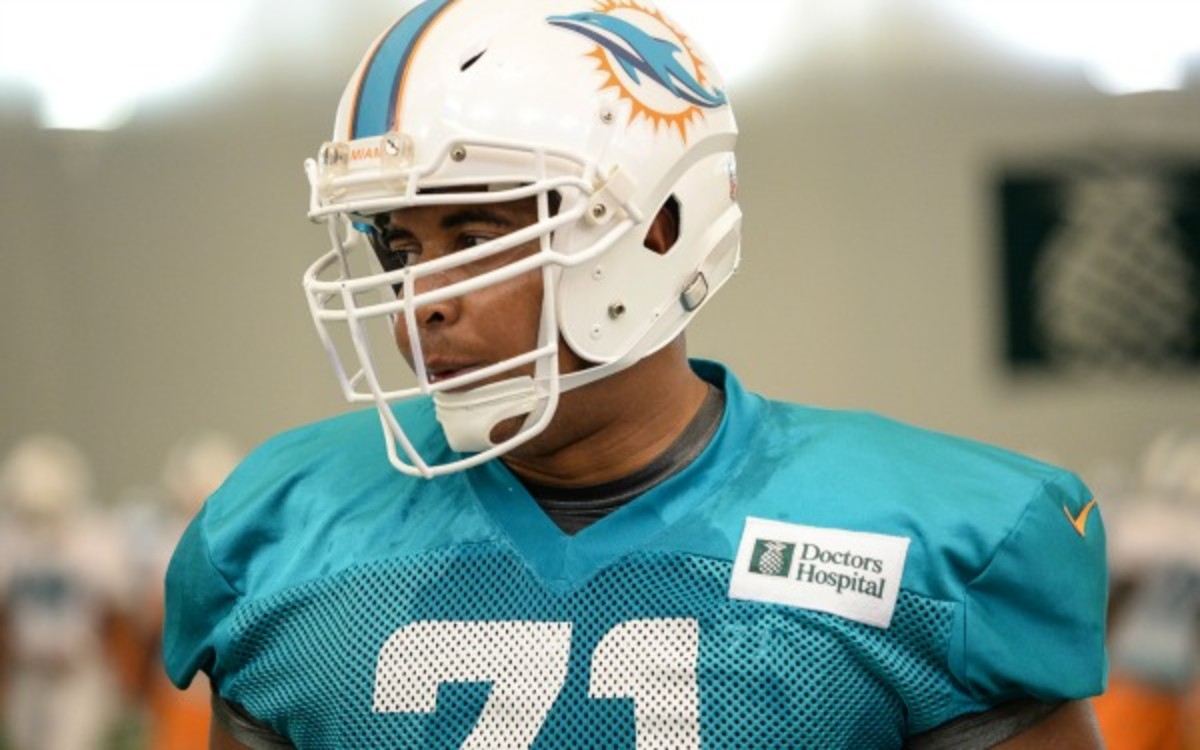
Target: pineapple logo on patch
(772,558)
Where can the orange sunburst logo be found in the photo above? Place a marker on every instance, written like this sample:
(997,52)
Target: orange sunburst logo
(649,62)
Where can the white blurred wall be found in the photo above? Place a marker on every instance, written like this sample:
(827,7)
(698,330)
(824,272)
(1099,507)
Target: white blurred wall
(151,273)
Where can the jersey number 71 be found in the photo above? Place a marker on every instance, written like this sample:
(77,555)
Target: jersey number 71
(652,662)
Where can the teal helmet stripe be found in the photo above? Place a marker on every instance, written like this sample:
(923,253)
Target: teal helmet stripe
(382,81)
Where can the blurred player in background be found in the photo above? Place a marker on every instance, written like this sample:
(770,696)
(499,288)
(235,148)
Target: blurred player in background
(62,591)
(152,524)
(1153,700)
(569,534)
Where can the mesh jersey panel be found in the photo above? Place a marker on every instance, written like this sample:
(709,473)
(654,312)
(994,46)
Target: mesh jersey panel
(728,673)
(317,567)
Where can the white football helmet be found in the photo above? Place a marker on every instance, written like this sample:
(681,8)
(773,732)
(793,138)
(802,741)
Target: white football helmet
(602,110)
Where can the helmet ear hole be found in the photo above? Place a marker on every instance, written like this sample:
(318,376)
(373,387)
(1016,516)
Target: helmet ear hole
(665,229)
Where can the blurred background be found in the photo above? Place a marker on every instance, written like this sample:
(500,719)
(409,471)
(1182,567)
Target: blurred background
(981,217)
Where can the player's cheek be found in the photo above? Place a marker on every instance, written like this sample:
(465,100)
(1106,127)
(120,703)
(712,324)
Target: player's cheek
(529,304)
(400,335)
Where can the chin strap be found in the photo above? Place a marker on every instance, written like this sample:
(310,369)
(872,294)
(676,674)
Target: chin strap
(468,417)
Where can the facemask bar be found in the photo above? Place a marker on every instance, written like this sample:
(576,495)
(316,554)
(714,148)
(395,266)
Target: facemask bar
(544,388)
(339,185)
(346,290)
(364,385)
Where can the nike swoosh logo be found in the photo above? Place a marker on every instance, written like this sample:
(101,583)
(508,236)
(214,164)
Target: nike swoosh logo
(1080,521)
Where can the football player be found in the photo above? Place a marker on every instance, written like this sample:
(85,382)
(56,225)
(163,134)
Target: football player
(64,600)
(567,534)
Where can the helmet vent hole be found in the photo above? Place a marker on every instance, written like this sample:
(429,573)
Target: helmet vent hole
(472,60)
(665,229)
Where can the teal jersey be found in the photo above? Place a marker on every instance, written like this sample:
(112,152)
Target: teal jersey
(813,579)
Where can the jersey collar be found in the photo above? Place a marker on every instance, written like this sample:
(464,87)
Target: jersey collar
(565,562)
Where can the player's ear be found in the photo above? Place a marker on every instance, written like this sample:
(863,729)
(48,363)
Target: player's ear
(664,230)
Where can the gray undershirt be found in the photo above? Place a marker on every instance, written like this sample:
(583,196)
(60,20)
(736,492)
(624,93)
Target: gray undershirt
(575,508)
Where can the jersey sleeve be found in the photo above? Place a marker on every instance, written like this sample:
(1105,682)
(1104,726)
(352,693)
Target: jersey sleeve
(198,600)
(1033,620)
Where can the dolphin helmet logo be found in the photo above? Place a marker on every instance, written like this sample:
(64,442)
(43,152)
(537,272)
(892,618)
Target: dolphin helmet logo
(648,61)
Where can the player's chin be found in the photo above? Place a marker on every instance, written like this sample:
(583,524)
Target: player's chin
(508,429)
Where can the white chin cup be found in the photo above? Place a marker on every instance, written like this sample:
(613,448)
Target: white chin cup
(468,417)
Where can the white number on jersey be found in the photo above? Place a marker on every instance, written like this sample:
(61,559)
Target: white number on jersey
(652,662)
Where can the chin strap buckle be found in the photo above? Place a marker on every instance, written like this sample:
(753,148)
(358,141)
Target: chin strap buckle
(694,294)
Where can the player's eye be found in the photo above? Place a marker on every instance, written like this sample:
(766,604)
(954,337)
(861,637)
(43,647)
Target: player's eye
(394,250)
(473,239)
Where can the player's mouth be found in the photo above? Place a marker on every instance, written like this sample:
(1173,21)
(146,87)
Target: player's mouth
(440,371)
